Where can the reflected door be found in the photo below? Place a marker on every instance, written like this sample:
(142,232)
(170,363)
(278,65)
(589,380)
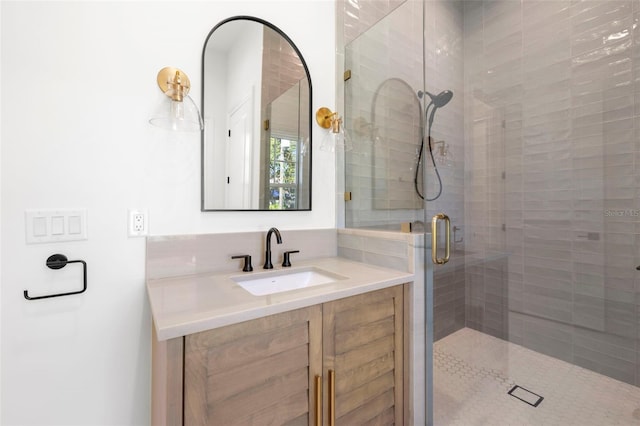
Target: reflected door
(238,164)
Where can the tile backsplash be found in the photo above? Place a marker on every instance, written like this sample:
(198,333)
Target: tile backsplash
(170,256)
(392,250)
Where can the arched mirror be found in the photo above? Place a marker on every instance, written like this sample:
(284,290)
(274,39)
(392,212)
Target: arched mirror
(256,106)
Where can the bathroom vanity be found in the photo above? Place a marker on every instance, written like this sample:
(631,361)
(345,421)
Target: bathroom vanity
(329,340)
(333,353)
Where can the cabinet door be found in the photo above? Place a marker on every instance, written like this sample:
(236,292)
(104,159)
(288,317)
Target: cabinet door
(259,372)
(363,341)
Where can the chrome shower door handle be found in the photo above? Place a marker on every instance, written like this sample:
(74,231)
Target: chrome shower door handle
(434,239)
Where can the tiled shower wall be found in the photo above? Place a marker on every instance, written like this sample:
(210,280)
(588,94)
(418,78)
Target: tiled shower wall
(542,182)
(383,118)
(551,129)
(384,52)
(384,115)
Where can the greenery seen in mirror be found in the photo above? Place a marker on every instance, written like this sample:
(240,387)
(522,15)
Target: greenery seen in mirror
(256,105)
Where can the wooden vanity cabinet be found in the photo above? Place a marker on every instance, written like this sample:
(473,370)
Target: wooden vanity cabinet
(263,371)
(256,372)
(363,349)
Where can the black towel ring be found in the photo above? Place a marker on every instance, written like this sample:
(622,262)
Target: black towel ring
(59,261)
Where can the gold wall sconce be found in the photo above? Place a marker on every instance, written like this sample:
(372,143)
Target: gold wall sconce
(177,111)
(328,119)
(336,137)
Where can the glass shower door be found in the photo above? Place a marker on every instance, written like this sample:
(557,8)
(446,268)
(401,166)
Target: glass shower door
(536,156)
(384,117)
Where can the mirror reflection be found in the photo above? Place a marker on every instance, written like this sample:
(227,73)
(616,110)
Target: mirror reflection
(256,94)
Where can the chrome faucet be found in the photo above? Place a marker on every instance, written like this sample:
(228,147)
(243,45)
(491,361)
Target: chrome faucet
(267,262)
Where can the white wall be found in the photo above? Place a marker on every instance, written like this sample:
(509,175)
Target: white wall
(80,80)
(215,128)
(244,80)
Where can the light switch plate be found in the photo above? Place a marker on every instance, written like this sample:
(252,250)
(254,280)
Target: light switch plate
(54,225)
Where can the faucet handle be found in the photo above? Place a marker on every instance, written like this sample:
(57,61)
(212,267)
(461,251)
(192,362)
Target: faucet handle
(247,262)
(286,262)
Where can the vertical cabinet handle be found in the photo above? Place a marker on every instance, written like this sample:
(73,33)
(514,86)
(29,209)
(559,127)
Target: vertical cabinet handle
(332,398)
(318,404)
(434,239)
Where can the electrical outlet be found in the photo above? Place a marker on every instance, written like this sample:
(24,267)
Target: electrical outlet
(138,223)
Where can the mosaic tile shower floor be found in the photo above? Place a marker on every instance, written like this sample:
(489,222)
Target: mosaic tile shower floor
(473,373)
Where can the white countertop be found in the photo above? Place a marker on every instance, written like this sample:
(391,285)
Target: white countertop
(190,304)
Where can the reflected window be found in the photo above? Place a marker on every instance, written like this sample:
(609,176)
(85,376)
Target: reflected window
(283,174)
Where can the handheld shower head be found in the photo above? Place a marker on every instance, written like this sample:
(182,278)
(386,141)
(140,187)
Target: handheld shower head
(439,100)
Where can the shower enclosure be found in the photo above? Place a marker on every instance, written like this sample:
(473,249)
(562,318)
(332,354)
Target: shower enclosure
(538,152)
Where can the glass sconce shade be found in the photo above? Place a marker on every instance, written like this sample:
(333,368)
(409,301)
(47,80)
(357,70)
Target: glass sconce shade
(332,141)
(176,111)
(177,116)
(335,139)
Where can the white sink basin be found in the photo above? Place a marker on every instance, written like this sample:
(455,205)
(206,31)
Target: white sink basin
(262,284)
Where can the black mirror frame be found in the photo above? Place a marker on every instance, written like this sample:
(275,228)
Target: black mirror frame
(202,140)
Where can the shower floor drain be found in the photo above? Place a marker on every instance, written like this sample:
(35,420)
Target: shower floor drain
(526,395)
